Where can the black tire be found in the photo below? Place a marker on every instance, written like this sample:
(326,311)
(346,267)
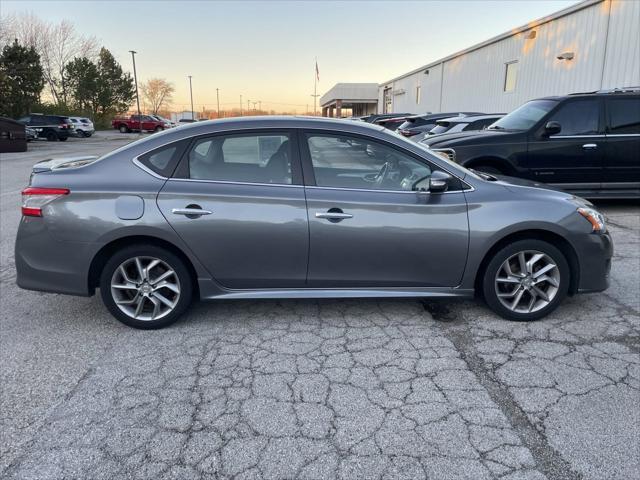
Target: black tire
(51,136)
(158,129)
(489,288)
(123,129)
(146,250)
(489,169)
(81,133)
(63,139)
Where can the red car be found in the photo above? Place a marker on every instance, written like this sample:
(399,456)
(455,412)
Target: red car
(136,123)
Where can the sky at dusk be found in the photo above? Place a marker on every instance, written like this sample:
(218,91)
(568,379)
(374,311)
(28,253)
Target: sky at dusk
(266,50)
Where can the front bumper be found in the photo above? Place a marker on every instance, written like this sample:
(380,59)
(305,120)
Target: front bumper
(595,252)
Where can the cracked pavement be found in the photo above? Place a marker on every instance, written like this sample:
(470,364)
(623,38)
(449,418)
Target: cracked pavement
(319,389)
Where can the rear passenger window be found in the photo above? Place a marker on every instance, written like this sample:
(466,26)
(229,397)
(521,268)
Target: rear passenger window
(578,117)
(624,115)
(242,158)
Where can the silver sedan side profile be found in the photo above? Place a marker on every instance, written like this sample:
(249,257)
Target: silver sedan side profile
(294,207)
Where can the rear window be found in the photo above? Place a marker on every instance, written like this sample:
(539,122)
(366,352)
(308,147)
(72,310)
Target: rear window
(624,115)
(414,122)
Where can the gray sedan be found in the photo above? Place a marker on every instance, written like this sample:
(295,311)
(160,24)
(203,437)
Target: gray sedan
(285,207)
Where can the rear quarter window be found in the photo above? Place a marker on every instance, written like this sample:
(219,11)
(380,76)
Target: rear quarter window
(163,160)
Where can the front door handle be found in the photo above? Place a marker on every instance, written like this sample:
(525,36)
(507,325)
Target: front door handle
(334,215)
(590,146)
(190,212)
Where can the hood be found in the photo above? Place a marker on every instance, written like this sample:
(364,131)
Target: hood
(451,139)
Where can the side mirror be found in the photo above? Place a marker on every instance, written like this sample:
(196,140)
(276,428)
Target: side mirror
(437,182)
(552,128)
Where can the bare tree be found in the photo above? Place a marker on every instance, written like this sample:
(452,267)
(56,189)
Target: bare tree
(158,93)
(56,43)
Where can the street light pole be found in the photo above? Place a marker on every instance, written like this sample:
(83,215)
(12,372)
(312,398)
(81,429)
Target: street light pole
(240,105)
(193,117)
(218,100)
(135,79)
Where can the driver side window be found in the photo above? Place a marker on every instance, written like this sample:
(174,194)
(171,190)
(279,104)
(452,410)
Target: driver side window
(344,161)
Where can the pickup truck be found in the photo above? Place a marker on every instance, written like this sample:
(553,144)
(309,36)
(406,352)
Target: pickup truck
(135,123)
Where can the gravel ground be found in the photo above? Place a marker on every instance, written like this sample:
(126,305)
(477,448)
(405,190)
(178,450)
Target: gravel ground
(317,389)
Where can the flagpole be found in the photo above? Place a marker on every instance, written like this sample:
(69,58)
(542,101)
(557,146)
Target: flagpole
(315,86)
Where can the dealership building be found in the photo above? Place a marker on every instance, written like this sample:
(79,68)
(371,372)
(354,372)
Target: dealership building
(589,46)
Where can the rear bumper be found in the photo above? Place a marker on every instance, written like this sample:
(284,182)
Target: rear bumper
(594,255)
(48,265)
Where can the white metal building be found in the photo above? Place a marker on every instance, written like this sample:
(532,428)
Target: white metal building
(589,46)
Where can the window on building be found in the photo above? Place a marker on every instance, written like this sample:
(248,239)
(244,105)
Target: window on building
(510,75)
(387,102)
(418,94)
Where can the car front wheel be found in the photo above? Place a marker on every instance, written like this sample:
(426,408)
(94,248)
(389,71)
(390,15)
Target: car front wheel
(146,287)
(526,280)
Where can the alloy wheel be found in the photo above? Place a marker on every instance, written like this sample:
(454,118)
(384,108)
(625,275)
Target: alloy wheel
(145,288)
(527,281)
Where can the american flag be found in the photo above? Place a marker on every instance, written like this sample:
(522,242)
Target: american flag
(317,71)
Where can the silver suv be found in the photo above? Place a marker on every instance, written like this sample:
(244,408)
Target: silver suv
(299,208)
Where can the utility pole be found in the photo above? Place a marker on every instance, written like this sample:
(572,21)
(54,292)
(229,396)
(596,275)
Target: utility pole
(218,100)
(260,105)
(240,105)
(135,78)
(248,106)
(193,117)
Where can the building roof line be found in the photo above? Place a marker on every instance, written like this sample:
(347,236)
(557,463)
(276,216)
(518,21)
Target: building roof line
(535,23)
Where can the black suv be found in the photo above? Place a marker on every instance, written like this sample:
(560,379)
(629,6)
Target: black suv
(586,143)
(51,127)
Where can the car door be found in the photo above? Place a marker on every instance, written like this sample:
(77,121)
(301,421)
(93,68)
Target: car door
(572,158)
(238,202)
(622,153)
(367,227)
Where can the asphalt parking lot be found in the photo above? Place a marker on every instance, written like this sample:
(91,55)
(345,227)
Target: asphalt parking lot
(317,389)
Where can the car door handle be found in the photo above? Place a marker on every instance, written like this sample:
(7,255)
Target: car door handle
(196,212)
(590,146)
(333,215)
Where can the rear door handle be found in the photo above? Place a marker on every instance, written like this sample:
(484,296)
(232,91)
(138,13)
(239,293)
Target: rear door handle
(196,212)
(333,216)
(590,146)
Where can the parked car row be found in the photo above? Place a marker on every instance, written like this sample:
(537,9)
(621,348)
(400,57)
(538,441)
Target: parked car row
(55,127)
(585,143)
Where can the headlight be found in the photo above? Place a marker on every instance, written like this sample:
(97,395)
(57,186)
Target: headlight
(595,218)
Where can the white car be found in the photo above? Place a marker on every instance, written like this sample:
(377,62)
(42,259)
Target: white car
(84,126)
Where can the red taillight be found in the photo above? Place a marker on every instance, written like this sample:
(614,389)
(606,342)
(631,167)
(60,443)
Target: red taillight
(34,198)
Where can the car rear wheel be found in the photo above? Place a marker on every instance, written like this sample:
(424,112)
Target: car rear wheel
(51,137)
(526,280)
(146,287)
(123,129)
(81,133)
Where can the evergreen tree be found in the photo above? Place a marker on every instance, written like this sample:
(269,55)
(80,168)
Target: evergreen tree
(21,79)
(82,81)
(115,90)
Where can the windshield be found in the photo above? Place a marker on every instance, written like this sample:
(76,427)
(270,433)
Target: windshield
(525,116)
